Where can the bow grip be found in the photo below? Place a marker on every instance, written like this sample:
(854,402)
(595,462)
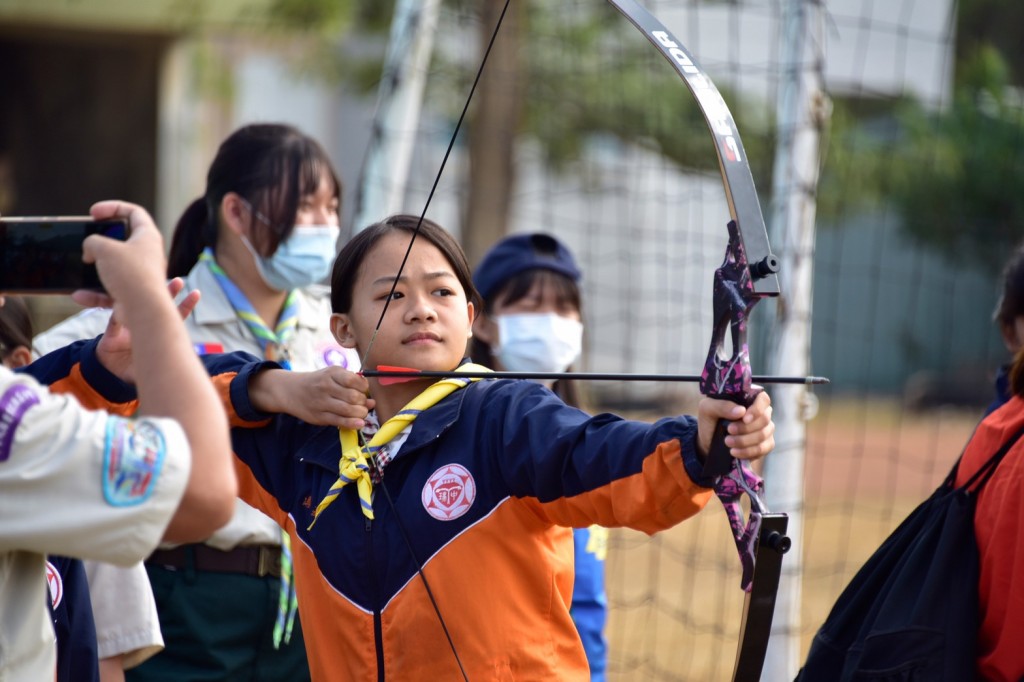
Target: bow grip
(719,460)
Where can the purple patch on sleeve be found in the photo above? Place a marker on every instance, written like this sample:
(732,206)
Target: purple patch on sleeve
(334,356)
(13,404)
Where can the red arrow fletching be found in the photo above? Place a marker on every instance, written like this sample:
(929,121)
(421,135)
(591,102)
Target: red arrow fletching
(387,381)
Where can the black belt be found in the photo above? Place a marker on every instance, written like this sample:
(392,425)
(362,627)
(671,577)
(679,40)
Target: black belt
(255,560)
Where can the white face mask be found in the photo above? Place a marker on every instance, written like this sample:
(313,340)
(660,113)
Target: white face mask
(537,342)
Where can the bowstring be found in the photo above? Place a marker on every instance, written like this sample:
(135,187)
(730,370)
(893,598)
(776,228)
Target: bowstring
(380,322)
(437,179)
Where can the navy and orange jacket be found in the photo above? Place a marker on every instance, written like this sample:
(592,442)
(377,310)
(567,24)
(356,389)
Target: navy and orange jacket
(484,492)
(75,370)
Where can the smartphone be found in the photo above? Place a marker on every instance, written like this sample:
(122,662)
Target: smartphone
(43,255)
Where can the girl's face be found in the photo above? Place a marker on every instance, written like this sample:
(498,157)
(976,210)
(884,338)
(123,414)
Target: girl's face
(544,297)
(428,321)
(320,207)
(539,332)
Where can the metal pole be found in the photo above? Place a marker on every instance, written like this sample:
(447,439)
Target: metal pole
(386,169)
(802,109)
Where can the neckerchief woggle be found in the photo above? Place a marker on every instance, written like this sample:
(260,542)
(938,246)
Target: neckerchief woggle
(354,465)
(272,343)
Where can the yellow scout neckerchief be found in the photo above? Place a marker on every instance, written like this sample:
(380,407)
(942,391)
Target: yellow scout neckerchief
(354,464)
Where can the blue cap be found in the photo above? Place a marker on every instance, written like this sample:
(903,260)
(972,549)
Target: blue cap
(520,253)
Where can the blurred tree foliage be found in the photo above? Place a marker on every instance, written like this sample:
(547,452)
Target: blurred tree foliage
(310,15)
(996,24)
(592,74)
(586,72)
(970,201)
(955,174)
(567,75)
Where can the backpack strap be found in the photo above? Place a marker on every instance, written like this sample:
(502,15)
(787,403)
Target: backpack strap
(980,477)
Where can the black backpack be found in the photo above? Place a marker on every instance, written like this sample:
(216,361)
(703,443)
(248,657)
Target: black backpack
(911,612)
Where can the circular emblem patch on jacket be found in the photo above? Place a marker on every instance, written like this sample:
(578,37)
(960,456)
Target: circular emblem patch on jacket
(449,492)
(55,584)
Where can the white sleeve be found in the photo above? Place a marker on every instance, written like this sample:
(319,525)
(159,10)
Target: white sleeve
(84,483)
(124,610)
(87,324)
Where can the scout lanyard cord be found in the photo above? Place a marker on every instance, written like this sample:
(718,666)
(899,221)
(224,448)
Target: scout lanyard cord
(387,302)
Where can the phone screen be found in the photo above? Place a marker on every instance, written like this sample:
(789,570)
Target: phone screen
(44,255)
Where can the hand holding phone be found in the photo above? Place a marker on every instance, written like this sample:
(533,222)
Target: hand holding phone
(43,255)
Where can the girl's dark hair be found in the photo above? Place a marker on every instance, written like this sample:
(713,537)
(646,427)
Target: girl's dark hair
(351,257)
(518,287)
(1011,301)
(270,165)
(15,325)
(1017,374)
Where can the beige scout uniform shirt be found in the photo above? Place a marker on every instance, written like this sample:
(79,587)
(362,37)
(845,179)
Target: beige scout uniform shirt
(75,482)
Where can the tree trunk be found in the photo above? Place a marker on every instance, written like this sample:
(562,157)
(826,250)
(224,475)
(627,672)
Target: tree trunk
(492,132)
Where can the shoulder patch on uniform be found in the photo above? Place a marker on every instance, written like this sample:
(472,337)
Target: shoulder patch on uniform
(132,461)
(14,403)
(449,492)
(55,583)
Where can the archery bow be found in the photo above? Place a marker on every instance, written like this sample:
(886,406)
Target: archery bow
(747,275)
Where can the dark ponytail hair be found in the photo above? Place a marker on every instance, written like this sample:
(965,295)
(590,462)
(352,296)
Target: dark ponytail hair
(191,235)
(1017,374)
(270,165)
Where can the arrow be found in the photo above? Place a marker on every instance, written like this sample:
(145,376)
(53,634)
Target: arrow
(389,374)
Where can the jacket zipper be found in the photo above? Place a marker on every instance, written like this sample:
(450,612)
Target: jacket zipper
(378,629)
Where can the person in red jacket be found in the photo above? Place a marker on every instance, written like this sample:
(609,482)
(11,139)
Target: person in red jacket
(999,527)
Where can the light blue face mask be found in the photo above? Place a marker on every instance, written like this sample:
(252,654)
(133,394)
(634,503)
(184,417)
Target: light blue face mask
(537,342)
(303,259)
